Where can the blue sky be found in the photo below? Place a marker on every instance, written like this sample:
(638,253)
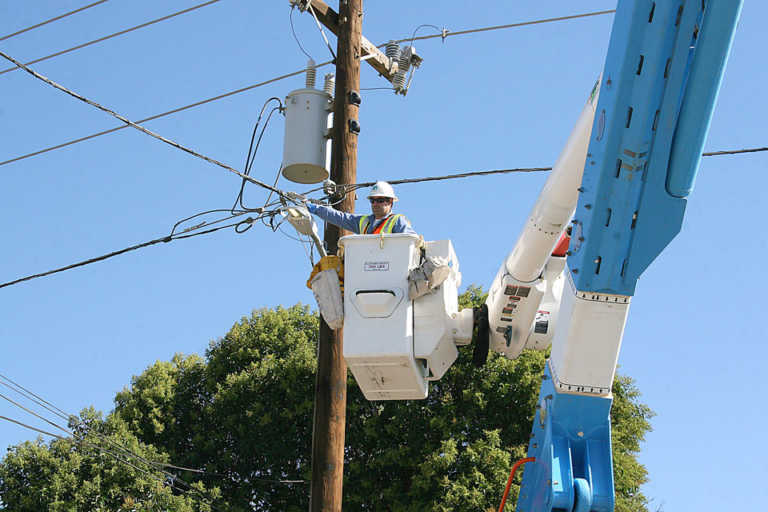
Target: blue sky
(694,340)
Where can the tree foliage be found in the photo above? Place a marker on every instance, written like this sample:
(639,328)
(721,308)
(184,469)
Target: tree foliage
(243,415)
(91,471)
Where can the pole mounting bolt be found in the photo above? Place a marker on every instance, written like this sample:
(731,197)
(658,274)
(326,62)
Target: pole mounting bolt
(354,98)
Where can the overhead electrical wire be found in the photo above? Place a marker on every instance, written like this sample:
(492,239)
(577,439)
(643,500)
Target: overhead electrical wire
(295,37)
(254,148)
(30,427)
(164,114)
(169,480)
(447,33)
(77,438)
(56,18)
(320,28)
(120,456)
(264,213)
(110,36)
(443,34)
(165,239)
(38,400)
(137,126)
(283,77)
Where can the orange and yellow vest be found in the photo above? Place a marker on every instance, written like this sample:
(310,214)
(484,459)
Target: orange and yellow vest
(385,227)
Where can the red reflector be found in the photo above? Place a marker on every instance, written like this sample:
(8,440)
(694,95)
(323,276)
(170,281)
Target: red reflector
(562,245)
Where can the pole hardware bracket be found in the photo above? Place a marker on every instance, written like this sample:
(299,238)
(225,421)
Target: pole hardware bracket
(354,98)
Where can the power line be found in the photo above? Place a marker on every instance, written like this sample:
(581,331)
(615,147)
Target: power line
(110,36)
(94,4)
(263,213)
(165,239)
(173,478)
(116,455)
(38,400)
(734,151)
(447,33)
(139,127)
(444,34)
(30,427)
(33,413)
(88,261)
(163,114)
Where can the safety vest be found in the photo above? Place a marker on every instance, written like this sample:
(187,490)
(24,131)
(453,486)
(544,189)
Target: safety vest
(385,227)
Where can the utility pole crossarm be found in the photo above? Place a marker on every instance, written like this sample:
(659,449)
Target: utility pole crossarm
(375,57)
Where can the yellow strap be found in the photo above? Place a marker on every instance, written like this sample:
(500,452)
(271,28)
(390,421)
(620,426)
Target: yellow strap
(327,263)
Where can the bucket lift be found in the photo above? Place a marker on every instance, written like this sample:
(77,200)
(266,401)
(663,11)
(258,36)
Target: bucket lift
(399,344)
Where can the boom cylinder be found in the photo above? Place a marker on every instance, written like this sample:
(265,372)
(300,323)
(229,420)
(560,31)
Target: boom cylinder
(556,204)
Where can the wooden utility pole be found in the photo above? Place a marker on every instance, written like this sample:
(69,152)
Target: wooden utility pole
(331,381)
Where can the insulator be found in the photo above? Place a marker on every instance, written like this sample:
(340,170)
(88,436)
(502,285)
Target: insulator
(403,65)
(392,50)
(330,84)
(311,74)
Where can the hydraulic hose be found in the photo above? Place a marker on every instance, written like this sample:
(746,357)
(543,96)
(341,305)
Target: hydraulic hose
(509,480)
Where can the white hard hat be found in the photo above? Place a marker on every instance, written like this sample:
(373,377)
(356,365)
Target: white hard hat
(382,189)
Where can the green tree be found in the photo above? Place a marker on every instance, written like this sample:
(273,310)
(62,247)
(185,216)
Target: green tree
(243,416)
(91,471)
(250,417)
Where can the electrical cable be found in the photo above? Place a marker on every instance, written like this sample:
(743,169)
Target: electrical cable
(427,25)
(74,437)
(282,77)
(165,239)
(38,400)
(170,477)
(30,427)
(88,261)
(204,223)
(136,126)
(295,37)
(33,413)
(252,150)
(447,33)
(345,189)
(320,28)
(443,35)
(60,413)
(734,151)
(163,114)
(101,39)
(115,455)
(56,18)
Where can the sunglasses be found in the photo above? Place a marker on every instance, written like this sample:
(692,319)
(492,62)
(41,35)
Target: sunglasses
(380,200)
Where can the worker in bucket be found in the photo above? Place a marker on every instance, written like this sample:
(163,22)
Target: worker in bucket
(382,220)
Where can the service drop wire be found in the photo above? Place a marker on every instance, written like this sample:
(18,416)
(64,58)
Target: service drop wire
(251,156)
(137,126)
(188,233)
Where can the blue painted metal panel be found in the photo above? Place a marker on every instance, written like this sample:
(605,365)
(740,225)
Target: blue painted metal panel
(714,43)
(662,73)
(571,440)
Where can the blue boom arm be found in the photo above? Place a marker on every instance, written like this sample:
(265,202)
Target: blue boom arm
(659,86)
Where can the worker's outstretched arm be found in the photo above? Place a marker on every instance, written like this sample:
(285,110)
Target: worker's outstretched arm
(347,221)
